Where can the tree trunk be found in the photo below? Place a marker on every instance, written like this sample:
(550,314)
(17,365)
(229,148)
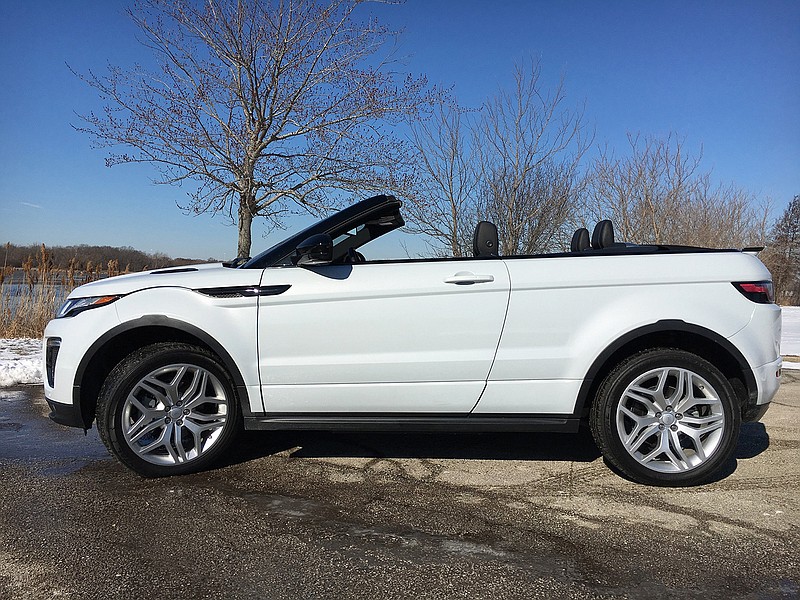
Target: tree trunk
(245,225)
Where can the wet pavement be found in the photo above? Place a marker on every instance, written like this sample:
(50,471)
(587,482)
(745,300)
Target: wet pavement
(318,515)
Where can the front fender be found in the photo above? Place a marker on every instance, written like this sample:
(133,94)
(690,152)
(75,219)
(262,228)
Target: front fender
(225,325)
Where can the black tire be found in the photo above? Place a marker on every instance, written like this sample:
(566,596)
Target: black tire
(168,409)
(644,436)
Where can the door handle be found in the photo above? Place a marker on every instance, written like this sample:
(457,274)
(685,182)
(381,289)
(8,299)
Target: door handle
(467,278)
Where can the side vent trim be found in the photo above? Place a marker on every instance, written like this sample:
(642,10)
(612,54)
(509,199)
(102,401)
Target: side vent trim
(243,291)
(176,270)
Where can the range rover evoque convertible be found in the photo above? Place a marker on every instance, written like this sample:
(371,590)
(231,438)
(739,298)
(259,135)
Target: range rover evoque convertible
(662,350)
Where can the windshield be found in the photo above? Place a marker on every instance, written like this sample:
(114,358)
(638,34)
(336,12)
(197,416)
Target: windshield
(373,209)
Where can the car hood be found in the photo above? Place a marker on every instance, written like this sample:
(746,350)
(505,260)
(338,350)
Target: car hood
(190,277)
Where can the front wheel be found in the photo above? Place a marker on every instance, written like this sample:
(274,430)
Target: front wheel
(168,409)
(666,417)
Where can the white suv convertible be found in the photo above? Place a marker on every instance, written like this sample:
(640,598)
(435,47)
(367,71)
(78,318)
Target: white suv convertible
(664,350)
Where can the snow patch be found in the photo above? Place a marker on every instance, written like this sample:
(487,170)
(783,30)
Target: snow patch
(20,361)
(790,336)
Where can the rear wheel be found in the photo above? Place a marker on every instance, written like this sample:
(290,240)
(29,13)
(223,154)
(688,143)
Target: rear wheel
(666,417)
(168,409)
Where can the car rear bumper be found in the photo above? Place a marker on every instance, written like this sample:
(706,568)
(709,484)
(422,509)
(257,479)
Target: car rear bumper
(754,413)
(768,379)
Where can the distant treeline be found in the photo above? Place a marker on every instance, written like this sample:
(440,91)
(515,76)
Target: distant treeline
(88,257)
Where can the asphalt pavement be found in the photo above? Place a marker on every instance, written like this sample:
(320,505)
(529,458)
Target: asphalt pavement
(323,515)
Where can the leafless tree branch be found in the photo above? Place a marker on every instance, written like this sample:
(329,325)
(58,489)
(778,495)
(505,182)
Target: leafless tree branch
(261,103)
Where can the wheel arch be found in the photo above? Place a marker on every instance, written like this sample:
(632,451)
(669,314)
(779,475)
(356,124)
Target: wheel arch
(671,334)
(115,344)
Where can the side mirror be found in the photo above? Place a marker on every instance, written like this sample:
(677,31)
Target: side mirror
(314,251)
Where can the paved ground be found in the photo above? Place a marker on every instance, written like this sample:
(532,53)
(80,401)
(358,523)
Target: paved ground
(393,516)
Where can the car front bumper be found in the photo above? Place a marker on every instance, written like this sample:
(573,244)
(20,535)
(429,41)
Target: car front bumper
(66,414)
(61,361)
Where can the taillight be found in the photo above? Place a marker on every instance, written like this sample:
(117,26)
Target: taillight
(761,292)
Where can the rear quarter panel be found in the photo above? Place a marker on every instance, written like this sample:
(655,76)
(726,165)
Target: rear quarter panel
(565,311)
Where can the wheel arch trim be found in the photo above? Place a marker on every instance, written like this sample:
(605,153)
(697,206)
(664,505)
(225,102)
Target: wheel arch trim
(157,321)
(664,326)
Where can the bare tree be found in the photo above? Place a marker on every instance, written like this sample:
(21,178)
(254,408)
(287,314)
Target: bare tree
(442,202)
(514,162)
(530,149)
(264,104)
(782,255)
(657,194)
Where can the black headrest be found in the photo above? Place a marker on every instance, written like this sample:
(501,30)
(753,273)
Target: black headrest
(580,240)
(603,235)
(485,241)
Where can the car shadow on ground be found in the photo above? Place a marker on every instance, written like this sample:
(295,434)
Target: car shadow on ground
(753,440)
(578,447)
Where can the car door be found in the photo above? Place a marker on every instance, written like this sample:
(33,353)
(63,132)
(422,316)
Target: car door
(406,336)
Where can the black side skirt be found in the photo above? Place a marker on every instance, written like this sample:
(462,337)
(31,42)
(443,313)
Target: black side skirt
(415,422)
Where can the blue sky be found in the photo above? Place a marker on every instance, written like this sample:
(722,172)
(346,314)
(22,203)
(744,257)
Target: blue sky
(724,75)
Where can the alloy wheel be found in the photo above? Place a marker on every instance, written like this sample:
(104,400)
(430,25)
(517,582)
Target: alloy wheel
(670,420)
(174,414)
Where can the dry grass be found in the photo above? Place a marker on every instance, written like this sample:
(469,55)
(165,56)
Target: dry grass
(30,297)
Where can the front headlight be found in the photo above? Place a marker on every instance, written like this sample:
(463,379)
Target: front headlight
(73,306)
